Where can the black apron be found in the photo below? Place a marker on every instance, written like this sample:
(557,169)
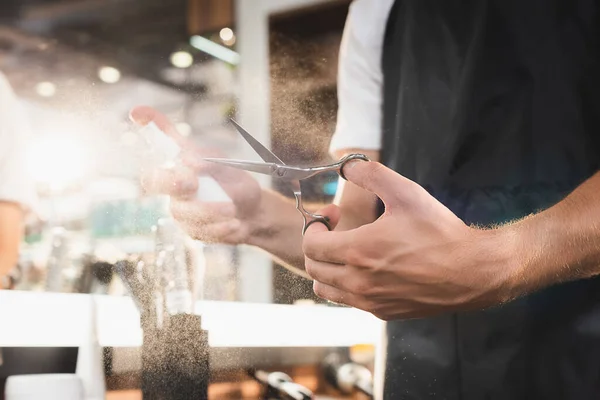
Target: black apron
(494,107)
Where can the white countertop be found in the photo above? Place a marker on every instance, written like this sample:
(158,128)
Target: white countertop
(51,319)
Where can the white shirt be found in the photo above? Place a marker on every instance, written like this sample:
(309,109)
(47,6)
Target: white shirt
(16,184)
(360,77)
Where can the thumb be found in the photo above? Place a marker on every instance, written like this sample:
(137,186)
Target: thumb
(388,185)
(332,212)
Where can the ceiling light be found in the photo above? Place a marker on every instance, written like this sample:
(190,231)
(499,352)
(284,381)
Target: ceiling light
(226,34)
(182,59)
(109,74)
(46,89)
(215,49)
(229,42)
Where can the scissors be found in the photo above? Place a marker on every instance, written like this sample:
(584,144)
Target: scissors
(293,175)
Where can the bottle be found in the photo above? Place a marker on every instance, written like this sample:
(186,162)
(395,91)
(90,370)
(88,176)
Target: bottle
(171,260)
(58,260)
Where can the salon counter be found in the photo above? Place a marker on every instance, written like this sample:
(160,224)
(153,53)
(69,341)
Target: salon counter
(240,334)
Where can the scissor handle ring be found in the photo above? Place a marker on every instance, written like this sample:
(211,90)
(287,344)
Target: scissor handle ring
(348,158)
(320,219)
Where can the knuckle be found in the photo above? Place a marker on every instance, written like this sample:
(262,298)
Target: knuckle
(359,286)
(309,266)
(354,256)
(309,248)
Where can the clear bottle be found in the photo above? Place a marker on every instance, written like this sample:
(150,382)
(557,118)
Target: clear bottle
(171,260)
(58,261)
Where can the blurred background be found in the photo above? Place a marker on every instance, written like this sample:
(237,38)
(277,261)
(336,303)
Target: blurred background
(79,66)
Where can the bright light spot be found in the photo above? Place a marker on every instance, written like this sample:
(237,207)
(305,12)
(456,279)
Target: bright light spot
(230,42)
(226,34)
(109,74)
(182,59)
(57,161)
(46,89)
(184,128)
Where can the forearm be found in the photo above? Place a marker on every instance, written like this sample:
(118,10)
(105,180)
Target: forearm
(11,234)
(277,230)
(561,243)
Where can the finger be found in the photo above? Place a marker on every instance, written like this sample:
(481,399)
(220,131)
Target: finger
(321,245)
(375,177)
(333,213)
(335,295)
(202,213)
(331,274)
(226,232)
(178,182)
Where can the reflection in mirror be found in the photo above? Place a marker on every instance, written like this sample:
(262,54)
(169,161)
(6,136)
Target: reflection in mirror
(117,288)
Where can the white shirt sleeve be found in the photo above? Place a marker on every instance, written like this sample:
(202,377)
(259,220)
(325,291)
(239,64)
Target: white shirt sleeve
(360,77)
(16,184)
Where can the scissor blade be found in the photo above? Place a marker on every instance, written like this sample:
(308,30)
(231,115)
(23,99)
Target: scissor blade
(261,150)
(252,166)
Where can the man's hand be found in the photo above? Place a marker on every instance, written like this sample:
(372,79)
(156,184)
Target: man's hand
(418,259)
(222,222)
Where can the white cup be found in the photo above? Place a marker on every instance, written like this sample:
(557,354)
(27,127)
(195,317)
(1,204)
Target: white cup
(44,387)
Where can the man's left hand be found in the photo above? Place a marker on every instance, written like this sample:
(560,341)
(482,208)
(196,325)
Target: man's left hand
(418,259)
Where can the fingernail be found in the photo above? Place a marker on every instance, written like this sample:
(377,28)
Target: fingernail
(351,164)
(347,167)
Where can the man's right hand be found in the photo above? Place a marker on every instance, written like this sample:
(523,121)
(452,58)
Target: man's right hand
(223,222)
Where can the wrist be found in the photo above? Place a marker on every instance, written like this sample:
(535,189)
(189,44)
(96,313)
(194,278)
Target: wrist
(499,254)
(525,248)
(263,226)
